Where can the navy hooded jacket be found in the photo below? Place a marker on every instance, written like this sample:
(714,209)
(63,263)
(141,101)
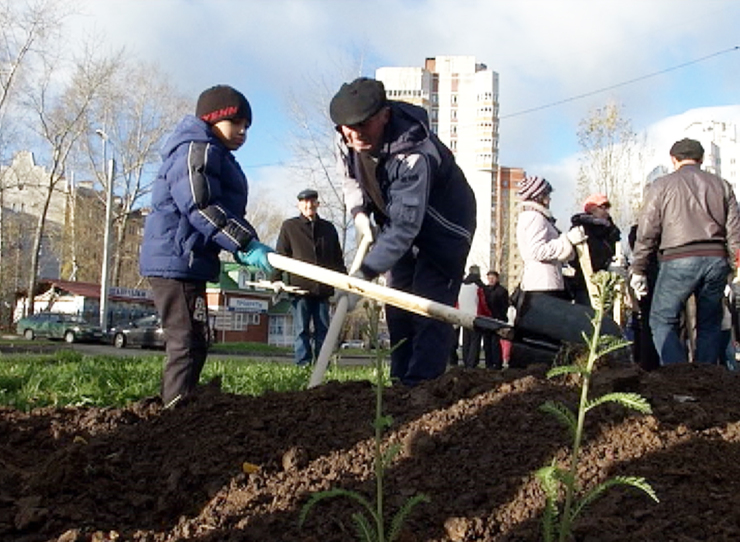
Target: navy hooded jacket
(429,204)
(198,203)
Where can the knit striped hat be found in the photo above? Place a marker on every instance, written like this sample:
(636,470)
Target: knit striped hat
(531,187)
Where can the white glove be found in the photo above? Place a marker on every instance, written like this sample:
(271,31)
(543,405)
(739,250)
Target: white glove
(363,227)
(619,261)
(639,285)
(278,286)
(576,235)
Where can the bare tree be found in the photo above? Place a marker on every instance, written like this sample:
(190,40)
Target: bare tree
(133,114)
(313,140)
(265,216)
(27,32)
(60,112)
(611,151)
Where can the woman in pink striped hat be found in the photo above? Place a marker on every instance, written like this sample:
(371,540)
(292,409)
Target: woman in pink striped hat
(542,246)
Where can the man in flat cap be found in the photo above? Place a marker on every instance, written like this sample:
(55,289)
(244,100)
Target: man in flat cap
(399,173)
(310,238)
(690,219)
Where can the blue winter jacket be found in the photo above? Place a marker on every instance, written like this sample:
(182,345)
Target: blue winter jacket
(198,203)
(429,205)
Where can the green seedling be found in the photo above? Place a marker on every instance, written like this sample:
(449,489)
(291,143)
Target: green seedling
(557,523)
(369,523)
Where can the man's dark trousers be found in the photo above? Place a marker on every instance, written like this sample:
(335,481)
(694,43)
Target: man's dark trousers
(424,343)
(184,312)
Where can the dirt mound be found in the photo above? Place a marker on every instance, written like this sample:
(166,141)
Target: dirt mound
(471,441)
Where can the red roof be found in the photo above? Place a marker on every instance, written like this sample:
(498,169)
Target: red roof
(87,289)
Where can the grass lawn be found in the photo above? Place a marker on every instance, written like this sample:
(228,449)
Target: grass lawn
(68,378)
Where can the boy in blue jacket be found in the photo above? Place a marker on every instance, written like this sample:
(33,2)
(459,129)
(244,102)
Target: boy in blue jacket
(198,204)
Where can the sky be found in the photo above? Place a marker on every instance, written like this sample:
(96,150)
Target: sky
(657,58)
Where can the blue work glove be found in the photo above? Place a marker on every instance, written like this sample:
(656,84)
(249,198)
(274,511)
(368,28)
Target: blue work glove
(255,255)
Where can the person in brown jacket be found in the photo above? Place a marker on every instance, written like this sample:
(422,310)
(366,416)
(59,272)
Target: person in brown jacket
(690,218)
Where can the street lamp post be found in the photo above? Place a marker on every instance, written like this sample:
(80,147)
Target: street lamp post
(105,273)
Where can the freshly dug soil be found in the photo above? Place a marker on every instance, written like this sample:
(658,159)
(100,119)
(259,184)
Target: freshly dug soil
(471,441)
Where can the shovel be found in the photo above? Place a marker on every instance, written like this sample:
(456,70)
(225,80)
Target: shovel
(404,300)
(337,321)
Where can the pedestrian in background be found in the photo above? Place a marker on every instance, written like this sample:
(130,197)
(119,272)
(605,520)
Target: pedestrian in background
(690,219)
(497,301)
(198,203)
(309,238)
(543,248)
(602,236)
(472,301)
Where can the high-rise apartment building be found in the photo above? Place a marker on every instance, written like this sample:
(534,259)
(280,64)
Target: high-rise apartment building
(461,98)
(721,148)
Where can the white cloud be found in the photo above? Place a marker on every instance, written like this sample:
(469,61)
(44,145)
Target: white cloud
(544,50)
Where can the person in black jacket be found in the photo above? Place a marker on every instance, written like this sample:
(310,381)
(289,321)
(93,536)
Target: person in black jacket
(497,299)
(602,238)
(310,238)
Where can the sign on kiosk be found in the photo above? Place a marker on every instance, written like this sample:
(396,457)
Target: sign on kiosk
(247,305)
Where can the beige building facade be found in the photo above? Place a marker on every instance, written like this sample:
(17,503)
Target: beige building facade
(461,98)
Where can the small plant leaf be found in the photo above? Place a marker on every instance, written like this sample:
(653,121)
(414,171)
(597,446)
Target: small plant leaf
(634,481)
(365,531)
(611,346)
(628,400)
(548,481)
(562,413)
(330,494)
(403,513)
(565,370)
(383,422)
(390,453)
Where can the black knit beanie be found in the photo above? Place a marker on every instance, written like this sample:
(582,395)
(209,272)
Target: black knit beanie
(357,101)
(223,102)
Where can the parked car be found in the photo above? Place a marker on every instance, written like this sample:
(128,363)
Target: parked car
(146,332)
(54,325)
(352,343)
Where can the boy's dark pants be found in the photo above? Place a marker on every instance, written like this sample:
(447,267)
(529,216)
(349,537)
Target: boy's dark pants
(184,312)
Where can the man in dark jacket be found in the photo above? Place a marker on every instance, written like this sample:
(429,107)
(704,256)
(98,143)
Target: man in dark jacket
(497,300)
(310,238)
(690,219)
(399,172)
(198,202)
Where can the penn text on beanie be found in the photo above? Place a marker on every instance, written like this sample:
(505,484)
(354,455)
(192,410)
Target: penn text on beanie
(531,187)
(357,101)
(223,102)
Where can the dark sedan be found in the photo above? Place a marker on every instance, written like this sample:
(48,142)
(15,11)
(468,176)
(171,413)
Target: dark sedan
(53,325)
(146,332)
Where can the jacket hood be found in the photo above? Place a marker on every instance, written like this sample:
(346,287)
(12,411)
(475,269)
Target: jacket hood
(409,126)
(189,129)
(582,219)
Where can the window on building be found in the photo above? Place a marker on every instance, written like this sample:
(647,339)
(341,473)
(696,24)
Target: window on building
(241,321)
(277,326)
